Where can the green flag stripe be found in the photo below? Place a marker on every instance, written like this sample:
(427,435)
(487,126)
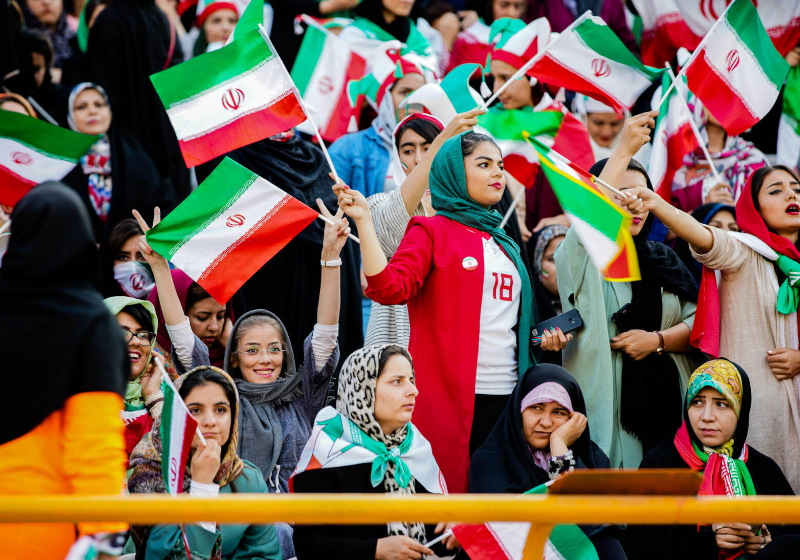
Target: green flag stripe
(211,70)
(509,125)
(582,201)
(459,93)
(213,197)
(47,139)
(310,50)
(252,16)
(742,20)
(605,42)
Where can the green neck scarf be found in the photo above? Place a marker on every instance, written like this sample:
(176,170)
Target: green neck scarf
(133,395)
(788,294)
(402,474)
(448,184)
(740,479)
(416,42)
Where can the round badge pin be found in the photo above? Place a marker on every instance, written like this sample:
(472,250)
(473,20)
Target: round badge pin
(470,263)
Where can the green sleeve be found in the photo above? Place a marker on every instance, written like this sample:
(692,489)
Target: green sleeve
(165,542)
(259,541)
(688,309)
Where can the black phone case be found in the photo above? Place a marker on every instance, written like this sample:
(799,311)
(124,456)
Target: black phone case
(627,319)
(567,322)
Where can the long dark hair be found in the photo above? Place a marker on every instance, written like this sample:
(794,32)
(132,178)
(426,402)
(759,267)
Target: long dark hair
(109,249)
(471,140)
(202,378)
(758,180)
(372,10)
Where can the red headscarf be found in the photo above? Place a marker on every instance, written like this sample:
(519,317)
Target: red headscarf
(750,221)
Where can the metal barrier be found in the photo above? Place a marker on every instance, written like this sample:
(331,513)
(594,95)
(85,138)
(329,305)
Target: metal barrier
(542,511)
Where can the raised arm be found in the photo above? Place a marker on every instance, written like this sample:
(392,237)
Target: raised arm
(332,245)
(353,203)
(635,134)
(413,188)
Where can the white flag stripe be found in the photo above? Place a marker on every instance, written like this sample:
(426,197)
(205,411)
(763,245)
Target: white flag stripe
(511,537)
(601,249)
(747,78)
(328,79)
(251,92)
(198,253)
(37,168)
(676,117)
(177,429)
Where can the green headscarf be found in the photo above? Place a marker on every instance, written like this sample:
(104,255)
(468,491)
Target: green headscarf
(448,184)
(133,390)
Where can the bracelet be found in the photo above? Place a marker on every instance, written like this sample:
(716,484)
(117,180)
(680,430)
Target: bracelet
(661,344)
(337,262)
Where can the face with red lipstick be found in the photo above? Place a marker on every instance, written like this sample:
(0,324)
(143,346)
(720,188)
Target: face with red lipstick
(604,127)
(712,418)
(779,202)
(91,113)
(630,180)
(395,394)
(484,171)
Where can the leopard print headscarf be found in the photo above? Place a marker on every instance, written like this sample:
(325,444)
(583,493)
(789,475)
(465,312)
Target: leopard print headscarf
(356,401)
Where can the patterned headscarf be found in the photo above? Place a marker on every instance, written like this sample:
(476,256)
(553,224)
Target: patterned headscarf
(356,400)
(721,375)
(545,237)
(146,461)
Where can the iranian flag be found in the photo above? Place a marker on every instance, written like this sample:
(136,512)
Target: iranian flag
(590,59)
(323,68)
(252,16)
(671,24)
(673,139)
(446,99)
(603,226)
(177,432)
(226,230)
(550,123)
(789,127)
(737,73)
(506,541)
(33,151)
(229,98)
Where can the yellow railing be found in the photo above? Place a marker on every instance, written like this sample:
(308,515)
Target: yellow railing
(542,511)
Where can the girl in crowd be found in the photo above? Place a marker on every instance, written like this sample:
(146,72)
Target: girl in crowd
(526,106)
(714,214)
(542,434)
(462,268)
(215,22)
(211,469)
(604,125)
(123,268)
(61,434)
(116,175)
(376,399)
(472,44)
(734,158)
(750,317)
(16,104)
(647,322)
(713,440)
(60,27)
(362,158)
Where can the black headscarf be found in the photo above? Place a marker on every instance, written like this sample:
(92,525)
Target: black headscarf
(57,339)
(372,10)
(652,416)
(504,463)
(703,214)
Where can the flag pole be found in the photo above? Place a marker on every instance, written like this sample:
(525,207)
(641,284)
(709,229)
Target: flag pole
(696,52)
(165,378)
(528,65)
(302,104)
(696,131)
(513,206)
(329,221)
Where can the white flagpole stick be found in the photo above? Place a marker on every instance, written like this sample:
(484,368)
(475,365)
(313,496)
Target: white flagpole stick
(528,65)
(513,206)
(695,53)
(41,111)
(598,180)
(329,221)
(302,105)
(441,537)
(5,227)
(696,131)
(168,381)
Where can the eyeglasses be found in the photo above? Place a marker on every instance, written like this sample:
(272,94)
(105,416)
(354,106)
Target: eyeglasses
(145,337)
(273,351)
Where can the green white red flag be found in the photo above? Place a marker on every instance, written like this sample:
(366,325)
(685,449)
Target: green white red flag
(226,230)
(177,432)
(33,151)
(789,127)
(252,16)
(737,73)
(602,225)
(446,99)
(229,98)
(324,67)
(673,139)
(506,541)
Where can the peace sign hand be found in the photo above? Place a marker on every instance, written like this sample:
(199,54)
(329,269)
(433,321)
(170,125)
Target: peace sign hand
(335,235)
(153,259)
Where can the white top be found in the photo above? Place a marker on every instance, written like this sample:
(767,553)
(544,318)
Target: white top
(182,339)
(201,490)
(497,348)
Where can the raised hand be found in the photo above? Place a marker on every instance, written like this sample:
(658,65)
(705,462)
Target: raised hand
(153,259)
(462,123)
(352,202)
(636,132)
(335,235)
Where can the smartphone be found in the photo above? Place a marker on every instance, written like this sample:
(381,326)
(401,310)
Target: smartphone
(567,322)
(627,319)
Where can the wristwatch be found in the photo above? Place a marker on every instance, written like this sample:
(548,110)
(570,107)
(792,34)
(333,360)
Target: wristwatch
(337,262)
(661,344)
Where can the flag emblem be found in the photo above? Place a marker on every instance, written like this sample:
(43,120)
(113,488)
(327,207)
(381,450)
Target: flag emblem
(325,85)
(21,158)
(137,281)
(237,220)
(732,59)
(232,99)
(600,68)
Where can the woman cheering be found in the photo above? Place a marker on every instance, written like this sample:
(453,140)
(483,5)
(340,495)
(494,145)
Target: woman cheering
(470,302)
